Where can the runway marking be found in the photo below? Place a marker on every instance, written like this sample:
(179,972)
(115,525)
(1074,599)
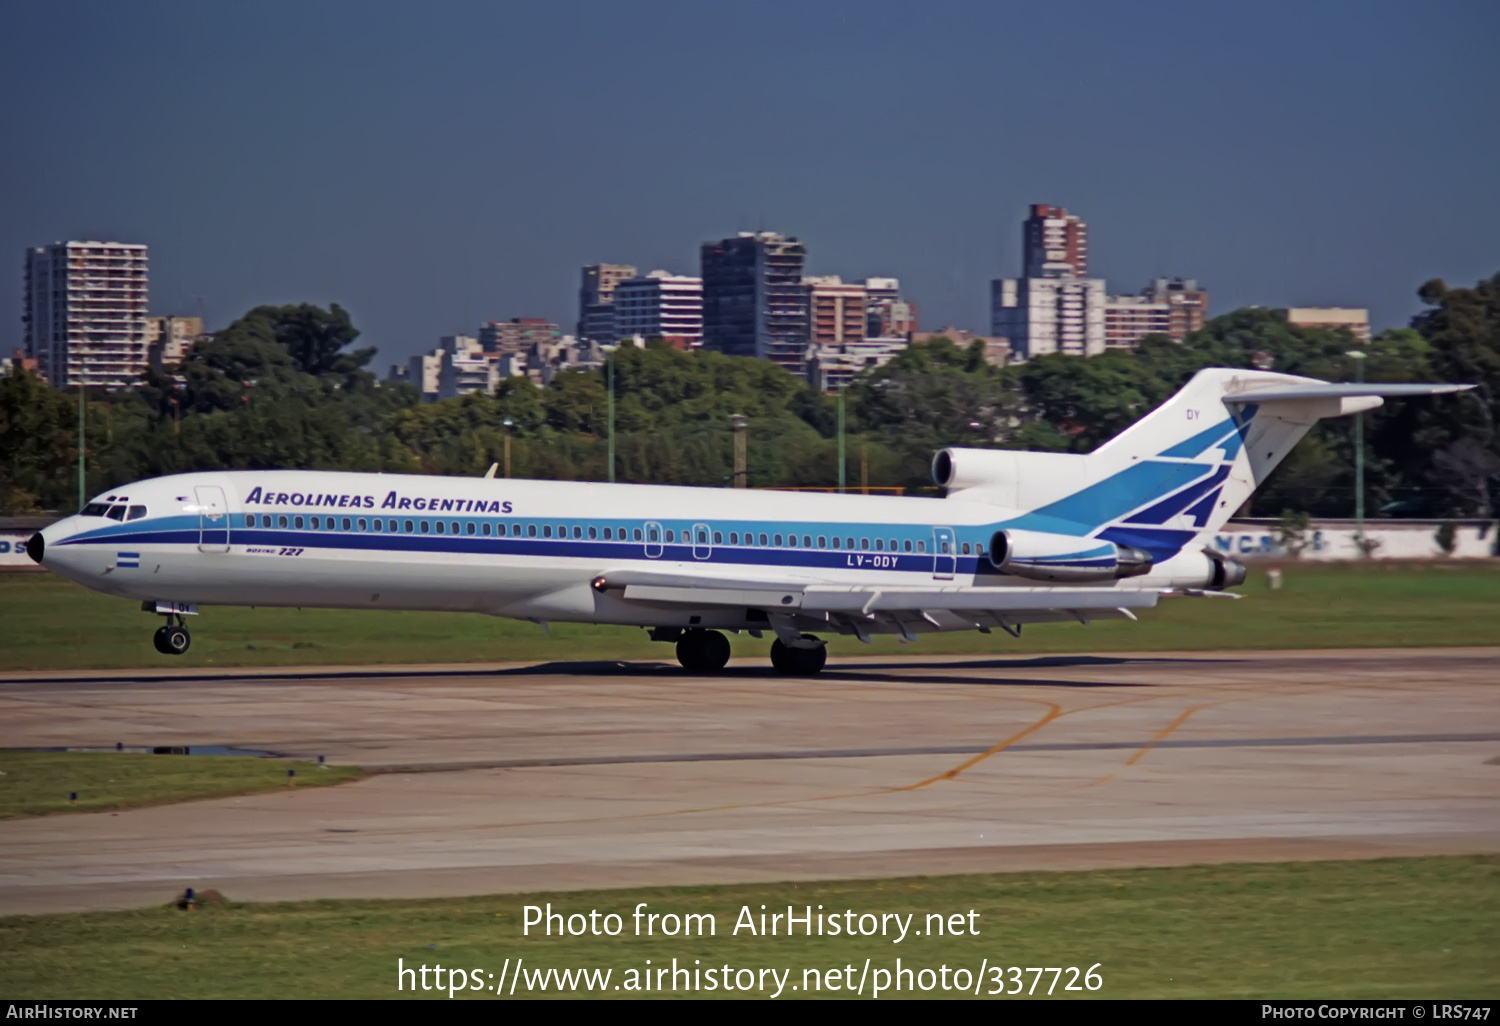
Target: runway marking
(1163,734)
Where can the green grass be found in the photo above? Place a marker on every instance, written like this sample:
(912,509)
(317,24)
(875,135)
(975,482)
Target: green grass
(39,783)
(54,624)
(1394,928)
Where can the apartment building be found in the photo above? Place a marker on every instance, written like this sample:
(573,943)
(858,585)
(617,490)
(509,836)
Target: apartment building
(596,311)
(660,305)
(517,334)
(85,312)
(754,303)
(1356,321)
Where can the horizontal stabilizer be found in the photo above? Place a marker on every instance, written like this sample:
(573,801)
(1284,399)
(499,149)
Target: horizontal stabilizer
(1323,390)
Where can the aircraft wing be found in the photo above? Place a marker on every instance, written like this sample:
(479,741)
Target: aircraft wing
(809,597)
(1324,390)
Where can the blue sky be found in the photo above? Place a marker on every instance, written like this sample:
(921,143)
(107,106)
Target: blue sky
(430,166)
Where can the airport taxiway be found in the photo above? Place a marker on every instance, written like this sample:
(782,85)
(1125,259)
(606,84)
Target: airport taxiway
(560,776)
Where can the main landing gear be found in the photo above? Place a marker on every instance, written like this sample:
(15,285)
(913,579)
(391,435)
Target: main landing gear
(704,651)
(799,661)
(172,639)
(701,651)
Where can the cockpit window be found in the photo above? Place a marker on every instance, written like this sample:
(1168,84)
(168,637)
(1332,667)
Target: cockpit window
(116,513)
(95,509)
(136,512)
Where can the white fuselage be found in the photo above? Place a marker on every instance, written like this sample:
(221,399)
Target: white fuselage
(530,549)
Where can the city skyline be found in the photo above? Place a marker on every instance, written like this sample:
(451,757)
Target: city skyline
(1294,158)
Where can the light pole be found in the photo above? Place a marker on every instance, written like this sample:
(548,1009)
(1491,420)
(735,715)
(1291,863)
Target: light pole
(841,441)
(1359,455)
(507,425)
(609,364)
(738,421)
(80,440)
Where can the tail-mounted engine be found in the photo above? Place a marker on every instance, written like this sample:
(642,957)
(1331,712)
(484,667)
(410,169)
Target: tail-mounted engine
(1065,559)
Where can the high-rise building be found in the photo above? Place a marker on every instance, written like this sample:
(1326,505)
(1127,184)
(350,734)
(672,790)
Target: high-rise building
(661,305)
(596,312)
(1054,244)
(1356,321)
(1038,316)
(463,367)
(170,339)
(837,312)
(1186,301)
(887,315)
(1128,319)
(86,312)
(754,303)
(517,334)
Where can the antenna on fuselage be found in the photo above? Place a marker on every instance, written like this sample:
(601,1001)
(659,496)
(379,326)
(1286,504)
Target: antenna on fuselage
(491,472)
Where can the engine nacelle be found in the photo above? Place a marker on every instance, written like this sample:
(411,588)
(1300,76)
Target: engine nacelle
(1064,558)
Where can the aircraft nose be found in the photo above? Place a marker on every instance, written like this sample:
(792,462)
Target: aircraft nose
(36,548)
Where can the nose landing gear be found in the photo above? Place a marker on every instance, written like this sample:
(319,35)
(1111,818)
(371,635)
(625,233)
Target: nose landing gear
(172,639)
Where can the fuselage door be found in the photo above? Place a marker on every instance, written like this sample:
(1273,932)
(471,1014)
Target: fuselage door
(944,553)
(213,519)
(653,540)
(702,542)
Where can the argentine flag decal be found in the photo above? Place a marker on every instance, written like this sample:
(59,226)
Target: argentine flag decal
(128,560)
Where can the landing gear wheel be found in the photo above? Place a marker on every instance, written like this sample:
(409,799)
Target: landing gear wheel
(701,651)
(172,640)
(798,662)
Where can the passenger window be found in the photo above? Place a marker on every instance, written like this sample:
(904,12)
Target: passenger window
(763,540)
(807,541)
(485,528)
(638,534)
(379,525)
(978,548)
(361,524)
(116,513)
(652,532)
(777,539)
(346,523)
(702,536)
(593,533)
(906,546)
(864,543)
(945,548)
(297,523)
(249,519)
(546,530)
(822,541)
(835,542)
(424,526)
(439,525)
(791,540)
(669,534)
(848,543)
(455,527)
(281,522)
(966,548)
(718,538)
(879,544)
(734,537)
(893,545)
(136,512)
(921,546)
(577,532)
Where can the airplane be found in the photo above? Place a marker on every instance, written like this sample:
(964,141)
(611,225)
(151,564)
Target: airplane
(1018,538)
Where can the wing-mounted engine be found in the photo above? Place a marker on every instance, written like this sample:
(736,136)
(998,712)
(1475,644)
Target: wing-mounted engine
(1062,558)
